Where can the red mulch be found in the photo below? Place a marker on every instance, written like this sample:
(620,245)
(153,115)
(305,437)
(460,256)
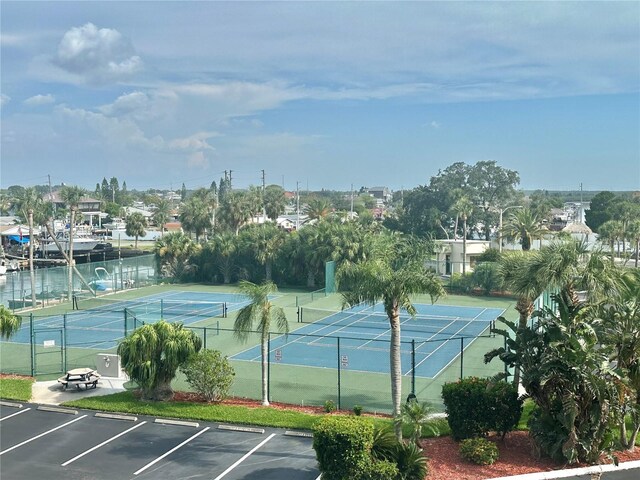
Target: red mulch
(12,375)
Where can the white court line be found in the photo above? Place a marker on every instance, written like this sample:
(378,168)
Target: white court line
(444,343)
(171,451)
(101,444)
(42,435)
(245,456)
(14,414)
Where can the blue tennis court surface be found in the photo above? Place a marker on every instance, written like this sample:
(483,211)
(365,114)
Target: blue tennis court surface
(363,334)
(101,326)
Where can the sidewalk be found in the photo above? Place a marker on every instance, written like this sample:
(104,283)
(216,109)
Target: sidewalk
(52,393)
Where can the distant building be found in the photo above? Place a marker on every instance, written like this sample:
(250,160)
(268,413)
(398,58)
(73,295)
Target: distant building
(380,193)
(449,256)
(86,204)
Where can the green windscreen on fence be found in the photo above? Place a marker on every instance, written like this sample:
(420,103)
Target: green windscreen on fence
(330,277)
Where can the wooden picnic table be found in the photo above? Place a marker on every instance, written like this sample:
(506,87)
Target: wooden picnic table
(79,377)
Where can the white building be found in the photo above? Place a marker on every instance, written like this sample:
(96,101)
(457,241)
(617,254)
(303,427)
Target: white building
(449,258)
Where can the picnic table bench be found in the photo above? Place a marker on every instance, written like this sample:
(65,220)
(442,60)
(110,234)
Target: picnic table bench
(79,377)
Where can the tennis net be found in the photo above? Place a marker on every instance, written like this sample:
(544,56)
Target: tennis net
(160,308)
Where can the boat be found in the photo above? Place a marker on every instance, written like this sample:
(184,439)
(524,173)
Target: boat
(81,244)
(103,281)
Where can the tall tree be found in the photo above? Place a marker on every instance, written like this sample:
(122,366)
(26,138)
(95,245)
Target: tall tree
(174,254)
(161,213)
(318,208)
(274,201)
(464,208)
(135,225)
(599,210)
(27,202)
(72,195)
(260,314)
(195,216)
(523,226)
(392,275)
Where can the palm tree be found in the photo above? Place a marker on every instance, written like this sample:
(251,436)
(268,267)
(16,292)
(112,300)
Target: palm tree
(464,208)
(161,213)
(394,273)
(28,200)
(559,266)
(225,247)
(274,201)
(135,225)
(265,242)
(633,234)
(620,319)
(9,323)
(522,226)
(174,253)
(195,216)
(608,232)
(260,314)
(71,196)
(152,354)
(318,208)
(417,416)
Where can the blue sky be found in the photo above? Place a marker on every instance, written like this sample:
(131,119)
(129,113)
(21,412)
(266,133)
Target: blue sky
(328,94)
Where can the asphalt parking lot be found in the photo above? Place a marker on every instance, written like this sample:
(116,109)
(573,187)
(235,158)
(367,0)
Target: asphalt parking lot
(37,443)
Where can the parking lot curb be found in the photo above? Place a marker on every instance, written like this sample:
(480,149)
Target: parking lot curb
(116,416)
(293,433)
(240,428)
(57,410)
(10,404)
(182,423)
(573,472)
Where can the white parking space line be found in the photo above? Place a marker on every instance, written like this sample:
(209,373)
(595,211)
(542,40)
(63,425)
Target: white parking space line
(170,451)
(14,414)
(42,435)
(319,477)
(245,456)
(101,444)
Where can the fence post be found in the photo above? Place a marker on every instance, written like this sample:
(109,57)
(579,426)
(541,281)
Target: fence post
(461,357)
(506,368)
(161,309)
(339,364)
(33,351)
(413,366)
(205,338)
(64,343)
(269,367)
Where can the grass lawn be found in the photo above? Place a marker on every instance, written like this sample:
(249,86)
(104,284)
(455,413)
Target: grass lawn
(16,388)
(126,402)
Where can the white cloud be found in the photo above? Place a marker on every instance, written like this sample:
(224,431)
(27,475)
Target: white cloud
(195,142)
(97,55)
(434,124)
(38,100)
(4,99)
(197,160)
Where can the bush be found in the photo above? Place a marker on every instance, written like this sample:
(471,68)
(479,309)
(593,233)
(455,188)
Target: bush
(476,406)
(210,374)
(357,410)
(343,447)
(378,470)
(461,283)
(486,277)
(412,464)
(479,450)
(330,406)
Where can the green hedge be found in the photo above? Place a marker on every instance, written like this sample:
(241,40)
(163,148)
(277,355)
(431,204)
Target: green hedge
(477,406)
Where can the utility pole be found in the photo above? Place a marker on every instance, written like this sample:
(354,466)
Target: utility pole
(351,215)
(264,204)
(297,205)
(230,188)
(53,221)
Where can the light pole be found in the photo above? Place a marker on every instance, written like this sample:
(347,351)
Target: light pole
(502,210)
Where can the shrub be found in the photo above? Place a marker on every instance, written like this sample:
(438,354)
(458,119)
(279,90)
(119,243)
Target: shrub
(357,410)
(476,406)
(412,464)
(210,374)
(479,450)
(378,470)
(486,277)
(417,416)
(343,446)
(330,406)
(489,255)
(461,283)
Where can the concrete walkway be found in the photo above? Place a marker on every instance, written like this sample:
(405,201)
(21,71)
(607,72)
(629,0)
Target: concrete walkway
(52,393)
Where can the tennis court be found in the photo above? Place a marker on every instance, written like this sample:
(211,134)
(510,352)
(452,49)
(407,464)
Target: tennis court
(357,339)
(100,322)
